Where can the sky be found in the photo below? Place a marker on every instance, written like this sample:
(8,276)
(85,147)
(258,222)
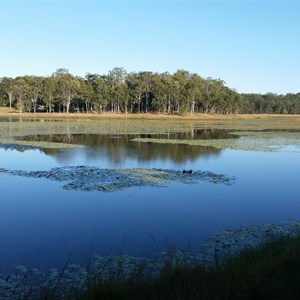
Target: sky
(254,46)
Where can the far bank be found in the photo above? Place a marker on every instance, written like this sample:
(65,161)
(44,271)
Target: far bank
(229,121)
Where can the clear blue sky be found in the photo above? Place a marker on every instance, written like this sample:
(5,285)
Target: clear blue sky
(254,46)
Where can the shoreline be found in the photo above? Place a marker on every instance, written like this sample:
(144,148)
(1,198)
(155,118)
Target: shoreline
(146,116)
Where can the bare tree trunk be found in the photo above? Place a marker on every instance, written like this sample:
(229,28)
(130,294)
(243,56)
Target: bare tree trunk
(146,108)
(193,107)
(68,103)
(21,105)
(34,106)
(10,99)
(140,103)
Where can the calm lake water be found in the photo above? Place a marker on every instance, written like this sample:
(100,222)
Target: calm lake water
(43,224)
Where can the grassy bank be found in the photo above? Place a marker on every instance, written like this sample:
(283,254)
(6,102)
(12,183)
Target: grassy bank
(145,123)
(252,132)
(6,112)
(269,271)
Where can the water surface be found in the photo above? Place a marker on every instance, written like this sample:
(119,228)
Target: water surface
(43,224)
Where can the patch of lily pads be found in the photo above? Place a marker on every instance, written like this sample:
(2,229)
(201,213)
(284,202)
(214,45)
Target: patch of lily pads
(71,280)
(85,178)
(247,141)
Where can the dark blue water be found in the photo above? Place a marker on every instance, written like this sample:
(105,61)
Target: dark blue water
(42,224)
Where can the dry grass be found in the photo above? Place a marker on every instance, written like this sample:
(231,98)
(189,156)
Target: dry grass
(147,123)
(5,111)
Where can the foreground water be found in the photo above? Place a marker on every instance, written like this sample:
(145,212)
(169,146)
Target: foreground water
(43,224)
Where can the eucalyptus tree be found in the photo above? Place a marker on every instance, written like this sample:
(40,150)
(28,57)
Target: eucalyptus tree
(194,93)
(148,78)
(259,103)
(135,87)
(117,90)
(169,92)
(269,103)
(214,93)
(252,103)
(100,91)
(180,85)
(139,85)
(292,103)
(236,103)
(34,91)
(67,87)
(6,89)
(196,90)
(124,98)
(157,87)
(296,109)
(85,95)
(21,91)
(229,101)
(49,91)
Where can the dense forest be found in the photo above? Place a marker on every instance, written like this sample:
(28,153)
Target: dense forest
(137,92)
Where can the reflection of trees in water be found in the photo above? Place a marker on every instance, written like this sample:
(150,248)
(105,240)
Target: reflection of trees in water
(174,152)
(119,148)
(203,134)
(62,155)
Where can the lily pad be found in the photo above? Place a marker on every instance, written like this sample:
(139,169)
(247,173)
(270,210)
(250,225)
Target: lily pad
(108,180)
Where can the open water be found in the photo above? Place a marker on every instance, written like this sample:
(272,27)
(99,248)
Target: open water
(43,224)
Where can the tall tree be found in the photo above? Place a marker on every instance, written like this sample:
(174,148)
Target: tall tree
(6,85)
(49,90)
(21,91)
(100,92)
(117,88)
(68,86)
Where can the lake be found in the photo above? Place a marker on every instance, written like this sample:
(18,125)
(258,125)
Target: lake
(46,218)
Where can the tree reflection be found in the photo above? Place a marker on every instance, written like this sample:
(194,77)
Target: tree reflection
(118,148)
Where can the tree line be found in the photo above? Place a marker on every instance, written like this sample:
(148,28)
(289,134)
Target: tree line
(136,92)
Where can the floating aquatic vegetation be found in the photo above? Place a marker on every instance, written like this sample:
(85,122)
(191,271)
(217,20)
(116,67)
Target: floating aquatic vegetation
(249,141)
(226,243)
(115,127)
(30,282)
(253,141)
(104,126)
(108,180)
(13,144)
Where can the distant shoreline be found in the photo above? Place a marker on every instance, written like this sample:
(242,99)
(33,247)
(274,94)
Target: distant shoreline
(147,116)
